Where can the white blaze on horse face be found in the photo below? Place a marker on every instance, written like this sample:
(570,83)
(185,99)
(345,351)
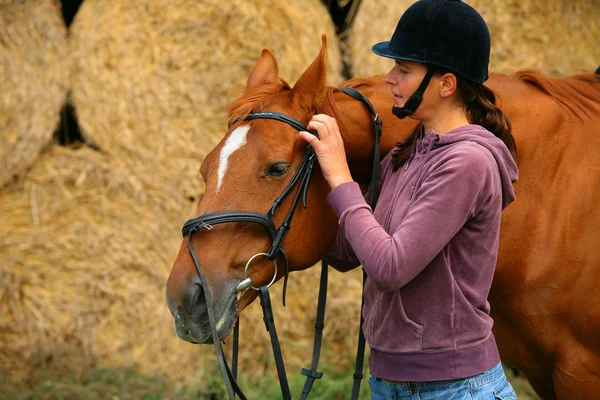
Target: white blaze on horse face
(236,140)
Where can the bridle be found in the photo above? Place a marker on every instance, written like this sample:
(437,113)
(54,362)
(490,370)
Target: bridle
(301,178)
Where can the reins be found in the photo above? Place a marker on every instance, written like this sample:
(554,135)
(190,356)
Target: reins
(301,178)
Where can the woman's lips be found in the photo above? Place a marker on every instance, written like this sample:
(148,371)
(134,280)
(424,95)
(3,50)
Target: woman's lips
(398,100)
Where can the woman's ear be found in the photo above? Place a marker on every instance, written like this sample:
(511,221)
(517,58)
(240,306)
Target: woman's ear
(448,84)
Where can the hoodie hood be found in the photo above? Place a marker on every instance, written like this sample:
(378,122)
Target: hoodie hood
(477,134)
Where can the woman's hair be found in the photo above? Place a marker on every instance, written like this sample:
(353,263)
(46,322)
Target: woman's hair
(480,104)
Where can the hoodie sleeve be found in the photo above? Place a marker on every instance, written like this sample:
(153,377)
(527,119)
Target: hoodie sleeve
(454,190)
(341,255)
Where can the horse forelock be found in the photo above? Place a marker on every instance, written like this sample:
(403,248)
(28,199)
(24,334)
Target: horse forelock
(579,94)
(254,98)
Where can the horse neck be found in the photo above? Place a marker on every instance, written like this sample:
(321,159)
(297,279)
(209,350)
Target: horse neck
(358,128)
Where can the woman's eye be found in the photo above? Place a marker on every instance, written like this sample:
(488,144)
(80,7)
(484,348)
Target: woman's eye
(277,169)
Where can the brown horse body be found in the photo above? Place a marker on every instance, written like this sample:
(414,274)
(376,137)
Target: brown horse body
(545,298)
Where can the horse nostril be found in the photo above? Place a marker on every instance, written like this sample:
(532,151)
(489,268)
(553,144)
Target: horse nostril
(199,309)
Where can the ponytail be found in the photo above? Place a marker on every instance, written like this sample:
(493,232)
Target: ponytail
(480,104)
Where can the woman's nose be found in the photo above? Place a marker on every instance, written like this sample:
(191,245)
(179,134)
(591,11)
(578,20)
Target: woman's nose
(390,79)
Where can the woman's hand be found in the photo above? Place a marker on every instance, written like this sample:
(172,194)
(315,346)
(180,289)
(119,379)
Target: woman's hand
(329,149)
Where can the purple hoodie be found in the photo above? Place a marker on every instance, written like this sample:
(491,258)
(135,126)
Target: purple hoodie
(430,251)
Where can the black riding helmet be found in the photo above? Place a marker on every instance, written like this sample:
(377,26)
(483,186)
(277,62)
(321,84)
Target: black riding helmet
(439,33)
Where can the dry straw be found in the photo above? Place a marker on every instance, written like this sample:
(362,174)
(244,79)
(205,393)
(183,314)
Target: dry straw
(33,78)
(86,245)
(151,79)
(88,236)
(557,37)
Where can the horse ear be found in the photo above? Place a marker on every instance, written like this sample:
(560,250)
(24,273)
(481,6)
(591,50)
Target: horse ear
(309,90)
(265,70)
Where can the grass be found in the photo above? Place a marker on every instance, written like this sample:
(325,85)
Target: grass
(127,384)
(522,387)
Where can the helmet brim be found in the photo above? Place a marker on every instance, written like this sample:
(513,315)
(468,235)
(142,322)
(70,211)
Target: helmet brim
(383,49)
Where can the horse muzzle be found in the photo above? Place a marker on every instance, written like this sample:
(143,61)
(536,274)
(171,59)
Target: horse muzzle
(190,312)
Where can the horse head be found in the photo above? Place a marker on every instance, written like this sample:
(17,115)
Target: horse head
(247,171)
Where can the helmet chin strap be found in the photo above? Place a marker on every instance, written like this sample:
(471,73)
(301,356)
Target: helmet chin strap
(413,101)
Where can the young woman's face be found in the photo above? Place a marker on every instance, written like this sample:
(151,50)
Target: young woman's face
(404,79)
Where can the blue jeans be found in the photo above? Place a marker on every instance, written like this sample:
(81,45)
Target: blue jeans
(491,384)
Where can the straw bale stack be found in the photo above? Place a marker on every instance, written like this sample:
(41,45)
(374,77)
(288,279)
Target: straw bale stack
(557,37)
(33,80)
(84,261)
(88,236)
(86,244)
(151,79)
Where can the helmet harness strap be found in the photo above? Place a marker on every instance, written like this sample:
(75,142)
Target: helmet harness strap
(415,99)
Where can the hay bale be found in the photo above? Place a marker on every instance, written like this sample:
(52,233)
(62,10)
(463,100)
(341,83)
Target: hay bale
(88,237)
(84,264)
(151,79)
(86,245)
(559,38)
(33,79)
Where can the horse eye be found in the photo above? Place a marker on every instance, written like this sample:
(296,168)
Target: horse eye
(277,169)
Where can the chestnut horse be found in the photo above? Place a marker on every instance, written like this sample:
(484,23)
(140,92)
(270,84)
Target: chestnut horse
(545,297)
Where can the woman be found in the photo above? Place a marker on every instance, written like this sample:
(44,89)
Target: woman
(430,247)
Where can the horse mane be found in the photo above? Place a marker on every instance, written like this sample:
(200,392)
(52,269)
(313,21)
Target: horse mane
(329,106)
(357,82)
(580,94)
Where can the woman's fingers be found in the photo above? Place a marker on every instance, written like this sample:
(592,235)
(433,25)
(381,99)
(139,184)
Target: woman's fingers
(330,122)
(321,129)
(329,148)
(310,138)
(326,126)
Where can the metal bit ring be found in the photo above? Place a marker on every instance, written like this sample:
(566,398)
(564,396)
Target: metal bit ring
(246,278)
